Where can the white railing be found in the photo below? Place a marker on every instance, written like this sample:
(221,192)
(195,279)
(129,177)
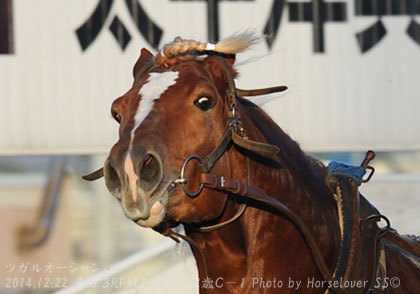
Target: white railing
(119,267)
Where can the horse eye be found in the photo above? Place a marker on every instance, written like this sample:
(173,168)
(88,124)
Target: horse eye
(204,103)
(116,116)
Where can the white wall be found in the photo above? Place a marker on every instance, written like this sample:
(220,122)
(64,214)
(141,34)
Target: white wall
(55,98)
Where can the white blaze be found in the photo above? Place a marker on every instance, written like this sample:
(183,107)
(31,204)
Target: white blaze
(151,91)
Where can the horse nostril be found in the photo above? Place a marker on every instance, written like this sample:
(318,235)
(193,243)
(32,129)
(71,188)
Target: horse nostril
(112,179)
(150,172)
(148,161)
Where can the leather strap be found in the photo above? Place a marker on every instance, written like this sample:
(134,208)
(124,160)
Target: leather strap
(99,173)
(231,90)
(201,262)
(220,149)
(410,245)
(238,214)
(347,204)
(263,149)
(257,92)
(207,229)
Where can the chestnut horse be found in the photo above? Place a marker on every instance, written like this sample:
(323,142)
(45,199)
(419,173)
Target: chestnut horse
(183,102)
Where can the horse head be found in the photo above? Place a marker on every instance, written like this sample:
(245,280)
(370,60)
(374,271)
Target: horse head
(176,107)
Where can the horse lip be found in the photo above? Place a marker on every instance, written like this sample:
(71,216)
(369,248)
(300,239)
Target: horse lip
(153,220)
(145,217)
(163,196)
(162,199)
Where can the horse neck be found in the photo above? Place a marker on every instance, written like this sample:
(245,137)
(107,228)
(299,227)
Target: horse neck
(300,181)
(239,244)
(304,173)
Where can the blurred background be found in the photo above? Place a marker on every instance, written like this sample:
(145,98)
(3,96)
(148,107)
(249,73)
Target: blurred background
(352,69)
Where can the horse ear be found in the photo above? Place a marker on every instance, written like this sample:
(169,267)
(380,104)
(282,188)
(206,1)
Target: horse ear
(215,66)
(230,61)
(146,57)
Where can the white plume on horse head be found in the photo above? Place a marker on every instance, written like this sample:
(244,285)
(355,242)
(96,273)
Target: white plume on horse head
(238,42)
(183,49)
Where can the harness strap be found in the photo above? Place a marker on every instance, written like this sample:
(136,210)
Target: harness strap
(231,90)
(194,246)
(220,149)
(263,149)
(347,205)
(97,174)
(211,228)
(238,214)
(372,266)
(409,245)
(257,92)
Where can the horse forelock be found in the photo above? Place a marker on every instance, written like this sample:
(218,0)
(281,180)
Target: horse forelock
(183,49)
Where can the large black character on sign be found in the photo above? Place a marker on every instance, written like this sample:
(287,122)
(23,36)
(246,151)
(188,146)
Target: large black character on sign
(91,28)
(368,38)
(316,11)
(6,27)
(273,22)
(212,17)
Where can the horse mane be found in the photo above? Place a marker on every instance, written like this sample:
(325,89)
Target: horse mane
(301,166)
(183,49)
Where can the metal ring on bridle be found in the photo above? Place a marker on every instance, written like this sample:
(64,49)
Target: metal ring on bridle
(184,180)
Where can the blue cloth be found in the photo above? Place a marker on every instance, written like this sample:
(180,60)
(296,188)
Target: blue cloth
(336,168)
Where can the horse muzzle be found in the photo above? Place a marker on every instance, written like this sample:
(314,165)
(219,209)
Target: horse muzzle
(135,181)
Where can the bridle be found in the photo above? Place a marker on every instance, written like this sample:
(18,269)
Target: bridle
(234,132)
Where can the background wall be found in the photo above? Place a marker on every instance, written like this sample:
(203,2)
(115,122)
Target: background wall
(352,69)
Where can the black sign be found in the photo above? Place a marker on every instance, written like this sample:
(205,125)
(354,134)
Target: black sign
(91,28)
(6,27)
(316,12)
(373,34)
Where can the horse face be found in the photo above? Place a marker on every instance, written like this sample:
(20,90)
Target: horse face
(168,115)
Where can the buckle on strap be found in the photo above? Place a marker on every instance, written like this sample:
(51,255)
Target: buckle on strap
(222,181)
